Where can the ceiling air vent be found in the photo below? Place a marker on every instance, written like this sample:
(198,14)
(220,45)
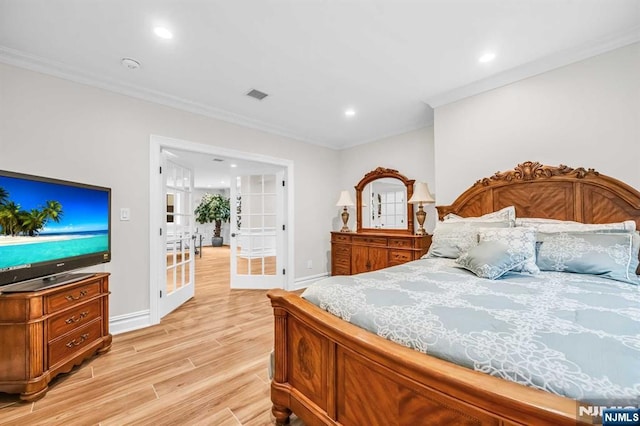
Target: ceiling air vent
(256,94)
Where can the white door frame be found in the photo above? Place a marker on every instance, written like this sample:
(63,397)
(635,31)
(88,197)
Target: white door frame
(156,214)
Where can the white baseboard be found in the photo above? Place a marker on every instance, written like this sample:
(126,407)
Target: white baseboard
(254,286)
(303,282)
(129,322)
(141,319)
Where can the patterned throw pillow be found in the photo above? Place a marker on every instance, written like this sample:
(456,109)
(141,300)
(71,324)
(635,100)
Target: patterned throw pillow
(552,225)
(635,252)
(451,239)
(490,259)
(535,222)
(611,255)
(521,242)
(505,214)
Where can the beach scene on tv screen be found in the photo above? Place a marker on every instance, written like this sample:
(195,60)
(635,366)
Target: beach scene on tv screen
(44,221)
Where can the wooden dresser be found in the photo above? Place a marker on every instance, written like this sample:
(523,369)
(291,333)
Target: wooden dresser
(47,332)
(353,253)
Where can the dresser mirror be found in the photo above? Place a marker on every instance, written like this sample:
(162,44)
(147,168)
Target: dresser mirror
(381,202)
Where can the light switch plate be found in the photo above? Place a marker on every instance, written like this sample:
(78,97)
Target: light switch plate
(125,213)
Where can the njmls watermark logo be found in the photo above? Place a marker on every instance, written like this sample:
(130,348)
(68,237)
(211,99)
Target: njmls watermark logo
(610,412)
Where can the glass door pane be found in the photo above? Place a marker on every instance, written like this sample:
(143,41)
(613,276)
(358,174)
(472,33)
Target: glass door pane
(258,231)
(178,231)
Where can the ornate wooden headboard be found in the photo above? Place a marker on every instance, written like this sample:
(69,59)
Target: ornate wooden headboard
(536,190)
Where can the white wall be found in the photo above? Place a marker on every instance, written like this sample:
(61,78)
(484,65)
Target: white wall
(61,129)
(584,114)
(410,153)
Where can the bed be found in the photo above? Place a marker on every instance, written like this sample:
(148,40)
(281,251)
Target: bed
(329,371)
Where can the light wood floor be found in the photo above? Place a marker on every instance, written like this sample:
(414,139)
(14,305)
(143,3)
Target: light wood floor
(259,266)
(204,364)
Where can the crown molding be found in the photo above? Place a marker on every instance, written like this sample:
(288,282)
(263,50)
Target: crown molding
(542,65)
(57,69)
(35,63)
(411,128)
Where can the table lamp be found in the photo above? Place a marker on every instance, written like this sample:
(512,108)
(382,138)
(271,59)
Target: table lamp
(421,195)
(345,201)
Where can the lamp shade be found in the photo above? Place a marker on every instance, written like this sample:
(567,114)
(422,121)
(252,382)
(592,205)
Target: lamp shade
(345,199)
(421,194)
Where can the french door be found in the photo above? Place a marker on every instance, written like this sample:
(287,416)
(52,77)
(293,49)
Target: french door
(179,267)
(257,231)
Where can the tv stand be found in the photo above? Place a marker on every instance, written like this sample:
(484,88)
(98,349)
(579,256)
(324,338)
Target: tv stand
(45,283)
(48,331)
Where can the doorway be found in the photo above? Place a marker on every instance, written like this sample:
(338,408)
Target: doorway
(264,166)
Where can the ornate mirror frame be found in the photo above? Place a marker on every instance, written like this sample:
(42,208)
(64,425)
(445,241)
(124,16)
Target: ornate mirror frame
(376,174)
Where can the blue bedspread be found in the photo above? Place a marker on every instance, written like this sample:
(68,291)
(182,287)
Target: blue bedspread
(573,335)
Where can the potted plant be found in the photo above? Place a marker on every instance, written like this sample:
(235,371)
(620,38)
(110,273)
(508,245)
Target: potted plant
(213,208)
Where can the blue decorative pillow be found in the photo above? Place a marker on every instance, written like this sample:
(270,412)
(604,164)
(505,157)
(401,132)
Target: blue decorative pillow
(609,254)
(521,243)
(635,252)
(490,259)
(451,239)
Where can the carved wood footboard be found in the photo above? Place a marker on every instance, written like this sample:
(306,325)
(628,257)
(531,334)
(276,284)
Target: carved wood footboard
(329,372)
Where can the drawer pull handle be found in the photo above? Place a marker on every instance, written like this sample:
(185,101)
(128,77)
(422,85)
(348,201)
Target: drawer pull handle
(74,319)
(76,342)
(82,294)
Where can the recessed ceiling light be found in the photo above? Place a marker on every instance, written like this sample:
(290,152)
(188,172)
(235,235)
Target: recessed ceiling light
(162,32)
(487,57)
(233,165)
(350,112)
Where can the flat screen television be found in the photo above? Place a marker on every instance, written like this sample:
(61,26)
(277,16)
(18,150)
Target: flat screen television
(49,227)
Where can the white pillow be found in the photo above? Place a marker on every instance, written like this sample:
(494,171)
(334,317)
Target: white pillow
(505,214)
(534,222)
(627,225)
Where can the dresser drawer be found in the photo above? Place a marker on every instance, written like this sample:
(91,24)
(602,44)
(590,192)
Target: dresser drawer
(398,257)
(342,261)
(68,344)
(340,238)
(401,242)
(370,241)
(72,296)
(75,317)
(341,270)
(340,250)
